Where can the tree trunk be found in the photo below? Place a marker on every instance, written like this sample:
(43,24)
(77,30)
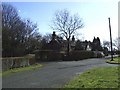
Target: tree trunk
(68,47)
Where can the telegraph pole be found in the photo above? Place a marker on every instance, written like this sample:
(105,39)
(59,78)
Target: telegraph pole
(110,40)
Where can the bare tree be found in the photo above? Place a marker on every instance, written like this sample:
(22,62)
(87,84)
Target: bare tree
(66,24)
(119,45)
(106,44)
(116,43)
(18,36)
(48,37)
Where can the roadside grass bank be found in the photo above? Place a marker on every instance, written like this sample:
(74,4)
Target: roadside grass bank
(116,60)
(21,69)
(99,77)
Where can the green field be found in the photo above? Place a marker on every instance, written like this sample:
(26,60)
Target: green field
(116,60)
(102,77)
(16,70)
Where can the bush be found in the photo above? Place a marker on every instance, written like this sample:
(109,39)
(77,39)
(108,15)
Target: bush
(48,55)
(79,55)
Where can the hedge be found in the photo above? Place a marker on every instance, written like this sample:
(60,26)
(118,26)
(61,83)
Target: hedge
(79,55)
(52,55)
(48,55)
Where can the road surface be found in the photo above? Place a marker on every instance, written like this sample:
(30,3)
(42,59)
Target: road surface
(52,74)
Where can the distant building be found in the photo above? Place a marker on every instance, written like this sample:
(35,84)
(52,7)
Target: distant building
(72,43)
(54,44)
(64,44)
(88,48)
(96,45)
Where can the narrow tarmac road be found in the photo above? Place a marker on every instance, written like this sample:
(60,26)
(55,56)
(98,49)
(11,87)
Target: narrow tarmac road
(52,75)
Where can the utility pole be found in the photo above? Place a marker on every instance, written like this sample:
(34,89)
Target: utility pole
(110,40)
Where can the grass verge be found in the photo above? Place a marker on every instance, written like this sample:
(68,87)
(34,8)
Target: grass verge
(103,77)
(16,70)
(116,60)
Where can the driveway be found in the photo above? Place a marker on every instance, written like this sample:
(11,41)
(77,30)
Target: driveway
(52,75)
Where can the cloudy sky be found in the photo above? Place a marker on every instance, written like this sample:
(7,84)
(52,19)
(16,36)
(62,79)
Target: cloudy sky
(93,13)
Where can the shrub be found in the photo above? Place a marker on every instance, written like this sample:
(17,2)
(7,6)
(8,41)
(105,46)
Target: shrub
(79,55)
(48,55)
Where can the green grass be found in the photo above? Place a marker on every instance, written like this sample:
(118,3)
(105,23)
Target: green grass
(105,77)
(16,70)
(116,60)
